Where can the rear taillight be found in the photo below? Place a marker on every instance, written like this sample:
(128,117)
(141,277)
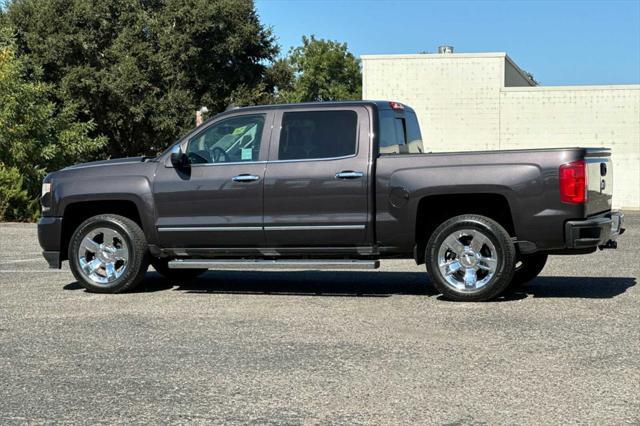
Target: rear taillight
(573,182)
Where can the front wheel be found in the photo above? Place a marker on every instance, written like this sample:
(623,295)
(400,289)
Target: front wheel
(108,254)
(470,258)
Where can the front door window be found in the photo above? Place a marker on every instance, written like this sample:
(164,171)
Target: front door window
(233,140)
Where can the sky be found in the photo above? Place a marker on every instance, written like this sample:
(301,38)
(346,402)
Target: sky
(559,42)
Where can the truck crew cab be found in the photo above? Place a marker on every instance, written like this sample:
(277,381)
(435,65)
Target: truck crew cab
(327,185)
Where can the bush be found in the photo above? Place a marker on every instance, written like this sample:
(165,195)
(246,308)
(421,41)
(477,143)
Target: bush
(14,200)
(36,136)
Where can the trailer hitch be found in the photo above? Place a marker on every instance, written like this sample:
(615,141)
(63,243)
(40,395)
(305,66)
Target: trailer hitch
(611,244)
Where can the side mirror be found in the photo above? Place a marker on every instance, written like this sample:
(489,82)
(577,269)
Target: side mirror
(178,158)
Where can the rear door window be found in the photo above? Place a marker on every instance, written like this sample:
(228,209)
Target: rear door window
(318,134)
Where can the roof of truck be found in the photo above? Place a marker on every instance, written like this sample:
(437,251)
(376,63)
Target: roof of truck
(377,104)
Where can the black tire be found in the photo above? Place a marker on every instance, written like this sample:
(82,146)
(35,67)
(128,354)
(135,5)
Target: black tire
(503,258)
(136,248)
(528,266)
(161,267)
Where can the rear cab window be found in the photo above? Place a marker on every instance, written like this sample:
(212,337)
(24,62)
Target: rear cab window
(399,133)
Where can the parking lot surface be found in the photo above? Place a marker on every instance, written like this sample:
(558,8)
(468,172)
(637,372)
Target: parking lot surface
(381,347)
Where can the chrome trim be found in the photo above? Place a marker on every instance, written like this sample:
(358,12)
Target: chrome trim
(208,228)
(349,175)
(245,178)
(467,260)
(267,251)
(103,256)
(273,264)
(312,227)
(231,163)
(258,228)
(301,160)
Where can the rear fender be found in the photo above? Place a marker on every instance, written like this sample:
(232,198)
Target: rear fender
(517,183)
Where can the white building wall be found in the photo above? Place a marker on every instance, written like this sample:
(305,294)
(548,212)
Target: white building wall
(594,116)
(456,97)
(472,102)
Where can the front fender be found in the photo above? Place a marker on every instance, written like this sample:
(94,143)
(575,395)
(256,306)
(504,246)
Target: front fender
(136,189)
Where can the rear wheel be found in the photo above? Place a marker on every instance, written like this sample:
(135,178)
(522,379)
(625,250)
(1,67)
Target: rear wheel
(162,267)
(108,254)
(470,258)
(528,266)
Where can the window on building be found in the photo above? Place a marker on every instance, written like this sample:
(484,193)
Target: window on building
(318,134)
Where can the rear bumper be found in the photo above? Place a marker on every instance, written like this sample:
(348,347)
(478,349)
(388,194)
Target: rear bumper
(598,231)
(49,237)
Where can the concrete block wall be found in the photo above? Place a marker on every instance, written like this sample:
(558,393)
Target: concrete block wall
(456,97)
(464,102)
(588,116)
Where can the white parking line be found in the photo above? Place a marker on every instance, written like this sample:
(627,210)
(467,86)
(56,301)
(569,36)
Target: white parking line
(21,260)
(28,271)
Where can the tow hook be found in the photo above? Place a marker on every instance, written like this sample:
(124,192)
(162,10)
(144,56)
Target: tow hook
(611,244)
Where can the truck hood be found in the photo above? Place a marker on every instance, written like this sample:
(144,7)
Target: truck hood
(111,162)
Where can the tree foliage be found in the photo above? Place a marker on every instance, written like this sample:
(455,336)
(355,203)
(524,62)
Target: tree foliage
(36,136)
(139,69)
(319,70)
(83,79)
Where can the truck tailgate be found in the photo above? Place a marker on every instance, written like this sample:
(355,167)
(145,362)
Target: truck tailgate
(599,180)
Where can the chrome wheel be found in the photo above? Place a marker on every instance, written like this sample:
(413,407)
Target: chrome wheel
(103,255)
(467,260)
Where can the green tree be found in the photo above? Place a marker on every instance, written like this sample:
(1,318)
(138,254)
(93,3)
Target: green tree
(321,70)
(139,69)
(278,78)
(36,136)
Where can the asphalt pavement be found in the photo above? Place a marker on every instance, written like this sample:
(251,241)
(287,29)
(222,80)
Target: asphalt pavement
(344,347)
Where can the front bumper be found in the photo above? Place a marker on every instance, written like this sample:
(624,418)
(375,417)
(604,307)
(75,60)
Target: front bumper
(598,231)
(50,237)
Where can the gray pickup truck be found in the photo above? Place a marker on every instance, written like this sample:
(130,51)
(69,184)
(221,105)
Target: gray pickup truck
(327,186)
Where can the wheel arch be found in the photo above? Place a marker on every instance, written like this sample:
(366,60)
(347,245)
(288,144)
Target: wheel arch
(492,205)
(77,212)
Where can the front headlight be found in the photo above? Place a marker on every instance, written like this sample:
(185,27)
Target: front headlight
(45,199)
(46,188)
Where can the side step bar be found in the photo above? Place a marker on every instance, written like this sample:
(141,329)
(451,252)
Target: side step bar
(273,264)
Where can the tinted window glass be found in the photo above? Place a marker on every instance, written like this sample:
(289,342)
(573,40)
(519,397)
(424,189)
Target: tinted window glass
(414,137)
(399,135)
(388,139)
(233,140)
(400,131)
(318,134)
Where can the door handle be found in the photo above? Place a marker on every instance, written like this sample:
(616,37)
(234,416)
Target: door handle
(349,174)
(245,178)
